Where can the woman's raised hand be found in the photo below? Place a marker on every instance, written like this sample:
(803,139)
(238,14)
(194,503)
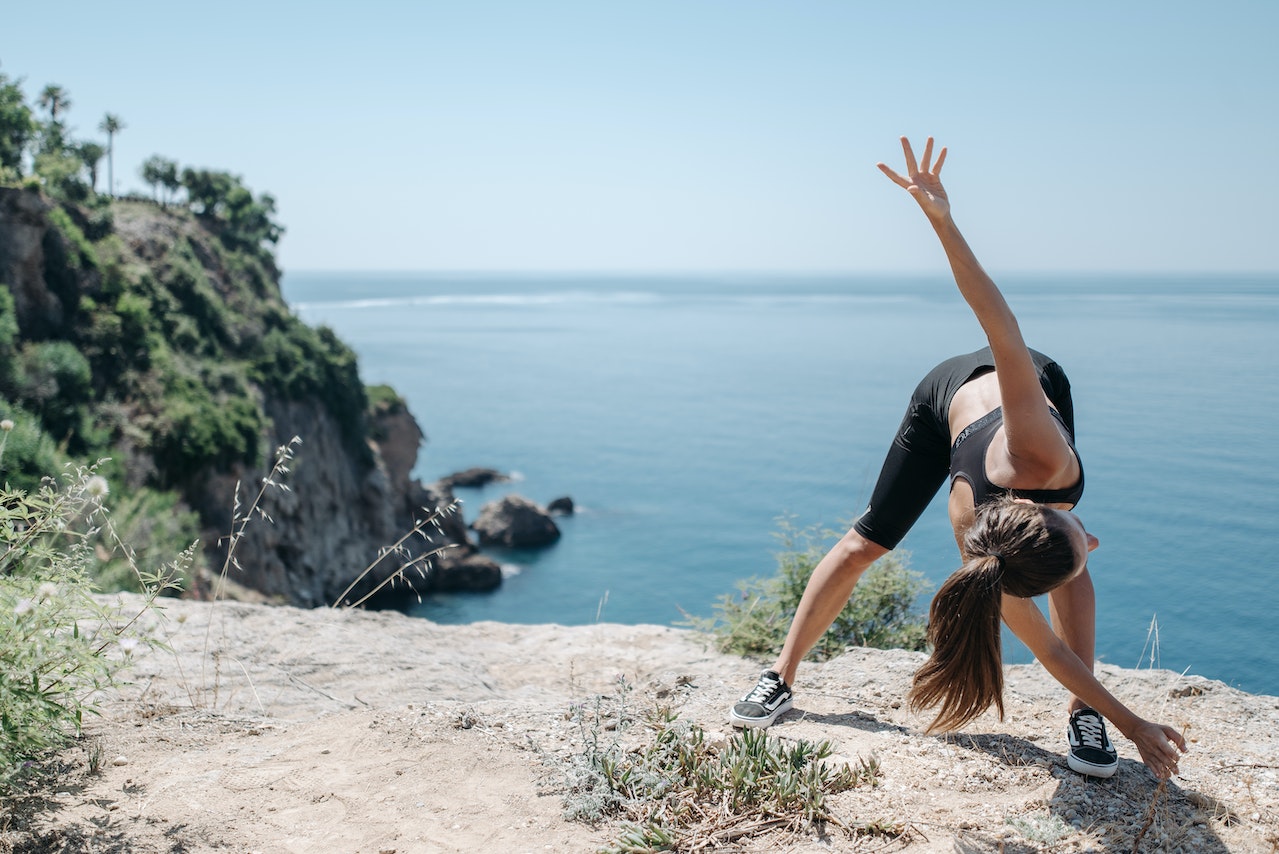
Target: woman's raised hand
(923,180)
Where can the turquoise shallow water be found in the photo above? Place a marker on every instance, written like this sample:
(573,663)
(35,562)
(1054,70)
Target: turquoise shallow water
(685,414)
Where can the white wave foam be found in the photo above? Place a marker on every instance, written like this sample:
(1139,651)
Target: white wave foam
(506,299)
(510,570)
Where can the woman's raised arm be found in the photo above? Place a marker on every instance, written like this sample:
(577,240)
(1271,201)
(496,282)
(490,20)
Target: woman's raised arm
(1034,443)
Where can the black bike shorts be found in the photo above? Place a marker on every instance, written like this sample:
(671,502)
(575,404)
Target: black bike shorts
(918,460)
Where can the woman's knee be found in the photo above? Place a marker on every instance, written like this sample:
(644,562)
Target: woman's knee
(856,553)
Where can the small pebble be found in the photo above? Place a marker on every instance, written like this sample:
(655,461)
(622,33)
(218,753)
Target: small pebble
(120,760)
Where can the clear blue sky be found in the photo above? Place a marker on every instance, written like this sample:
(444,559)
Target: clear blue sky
(695,134)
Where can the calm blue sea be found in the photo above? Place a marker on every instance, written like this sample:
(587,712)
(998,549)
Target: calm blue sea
(685,414)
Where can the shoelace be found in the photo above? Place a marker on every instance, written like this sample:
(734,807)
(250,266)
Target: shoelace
(1091,732)
(762,691)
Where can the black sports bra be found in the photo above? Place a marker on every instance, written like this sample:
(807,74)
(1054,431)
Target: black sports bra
(968,463)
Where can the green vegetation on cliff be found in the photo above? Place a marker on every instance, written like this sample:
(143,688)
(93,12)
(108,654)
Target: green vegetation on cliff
(154,336)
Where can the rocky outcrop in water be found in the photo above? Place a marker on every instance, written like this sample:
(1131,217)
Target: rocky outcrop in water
(515,522)
(474,478)
(561,507)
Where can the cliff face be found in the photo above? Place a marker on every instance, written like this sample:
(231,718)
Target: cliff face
(23,226)
(198,372)
(315,537)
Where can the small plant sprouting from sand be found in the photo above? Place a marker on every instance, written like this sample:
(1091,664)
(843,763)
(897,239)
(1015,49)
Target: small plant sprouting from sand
(1042,827)
(675,789)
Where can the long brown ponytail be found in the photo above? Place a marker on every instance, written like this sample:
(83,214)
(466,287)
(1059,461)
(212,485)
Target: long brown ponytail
(1011,547)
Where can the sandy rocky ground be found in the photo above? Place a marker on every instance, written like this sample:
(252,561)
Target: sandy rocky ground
(341,731)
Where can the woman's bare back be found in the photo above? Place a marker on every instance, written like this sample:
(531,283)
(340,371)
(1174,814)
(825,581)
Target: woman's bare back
(974,400)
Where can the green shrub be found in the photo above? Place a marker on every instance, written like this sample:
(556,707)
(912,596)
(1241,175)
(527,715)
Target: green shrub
(384,400)
(29,452)
(201,428)
(8,338)
(58,645)
(754,621)
(61,171)
(198,300)
(298,362)
(80,254)
(99,218)
(676,790)
(54,381)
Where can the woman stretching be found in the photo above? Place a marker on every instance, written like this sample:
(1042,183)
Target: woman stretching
(1000,422)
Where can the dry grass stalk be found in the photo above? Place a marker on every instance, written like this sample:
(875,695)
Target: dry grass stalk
(239,522)
(421,563)
(1161,791)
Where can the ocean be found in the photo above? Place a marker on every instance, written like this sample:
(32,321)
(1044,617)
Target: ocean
(685,415)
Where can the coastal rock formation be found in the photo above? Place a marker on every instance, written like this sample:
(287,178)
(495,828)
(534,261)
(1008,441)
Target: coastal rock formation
(198,372)
(473,478)
(561,506)
(472,574)
(515,522)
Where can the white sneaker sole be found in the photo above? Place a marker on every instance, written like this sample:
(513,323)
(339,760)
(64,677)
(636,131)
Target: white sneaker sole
(759,723)
(1091,770)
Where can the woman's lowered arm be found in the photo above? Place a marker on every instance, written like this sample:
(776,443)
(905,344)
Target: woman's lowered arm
(1154,741)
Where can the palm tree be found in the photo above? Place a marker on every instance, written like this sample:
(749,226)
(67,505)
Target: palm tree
(111,125)
(91,153)
(54,99)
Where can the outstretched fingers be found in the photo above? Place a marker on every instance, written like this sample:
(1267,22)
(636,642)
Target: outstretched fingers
(896,179)
(912,168)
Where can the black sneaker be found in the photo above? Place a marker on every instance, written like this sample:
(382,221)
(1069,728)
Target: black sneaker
(1091,752)
(769,699)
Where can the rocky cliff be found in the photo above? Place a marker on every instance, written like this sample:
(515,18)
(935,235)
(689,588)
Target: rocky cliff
(196,371)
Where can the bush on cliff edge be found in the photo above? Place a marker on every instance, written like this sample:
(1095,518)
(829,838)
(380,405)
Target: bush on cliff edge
(881,613)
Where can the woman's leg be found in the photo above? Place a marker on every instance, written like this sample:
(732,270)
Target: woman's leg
(915,468)
(1073,609)
(828,590)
